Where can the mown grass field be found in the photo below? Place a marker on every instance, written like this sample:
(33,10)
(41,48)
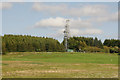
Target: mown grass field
(59,65)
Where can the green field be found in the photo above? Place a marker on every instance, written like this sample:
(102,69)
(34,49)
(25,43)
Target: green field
(59,65)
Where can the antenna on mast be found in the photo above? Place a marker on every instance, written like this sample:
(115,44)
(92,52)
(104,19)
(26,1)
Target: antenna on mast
(66,34)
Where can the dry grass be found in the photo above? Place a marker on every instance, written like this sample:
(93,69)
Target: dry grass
(15,66)
(28,69)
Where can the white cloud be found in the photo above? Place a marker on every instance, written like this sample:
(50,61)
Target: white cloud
(59,22)
(79,32)
(92,31)
(15,0)
(99,13)
(51,22)
(79,23)
(105,18)
(5,5)
(77,26)
(62,9)
(49,8)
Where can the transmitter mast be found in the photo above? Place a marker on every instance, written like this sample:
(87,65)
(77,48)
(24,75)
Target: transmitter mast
(66,34)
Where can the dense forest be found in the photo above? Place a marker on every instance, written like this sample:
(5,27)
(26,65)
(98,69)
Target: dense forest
(89,44)
(27,43)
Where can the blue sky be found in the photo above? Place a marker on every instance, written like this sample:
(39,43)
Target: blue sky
(93,19)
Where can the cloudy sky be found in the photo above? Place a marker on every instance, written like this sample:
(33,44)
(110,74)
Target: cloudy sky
(89,19)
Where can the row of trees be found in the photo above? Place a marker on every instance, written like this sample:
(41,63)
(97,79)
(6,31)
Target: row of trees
(93,45)
(27,43)
(112,42)
(78,43)
(112,45)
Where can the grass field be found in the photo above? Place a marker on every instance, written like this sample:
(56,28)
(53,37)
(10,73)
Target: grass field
(59,65)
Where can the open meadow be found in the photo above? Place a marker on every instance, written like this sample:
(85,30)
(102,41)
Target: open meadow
(59,65)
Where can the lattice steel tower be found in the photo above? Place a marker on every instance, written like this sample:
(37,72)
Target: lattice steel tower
(66,34)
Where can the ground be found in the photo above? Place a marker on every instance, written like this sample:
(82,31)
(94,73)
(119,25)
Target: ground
(59,65)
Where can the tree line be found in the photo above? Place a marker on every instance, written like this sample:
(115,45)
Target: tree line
(89,44)
(27,43)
